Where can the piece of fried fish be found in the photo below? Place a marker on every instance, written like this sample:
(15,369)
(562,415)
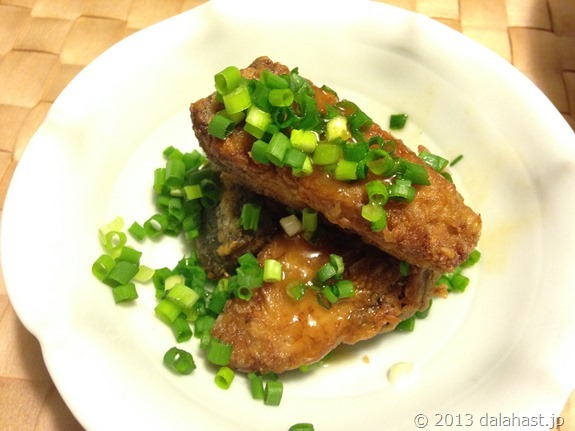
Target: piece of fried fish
(274,332)
(436,231)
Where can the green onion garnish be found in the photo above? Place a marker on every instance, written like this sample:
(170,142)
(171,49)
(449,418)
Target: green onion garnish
(397,121)
(224,377)
(179,361)
(256,386)
(181,329)
(250,216)
(237,100)
(272,270)
(273,393)
(456,160)
(219,352)
(102,266)
(227,80)
(125,293)
(438,163)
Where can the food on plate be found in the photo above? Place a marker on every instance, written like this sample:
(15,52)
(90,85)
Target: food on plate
(290,323)
(434,229)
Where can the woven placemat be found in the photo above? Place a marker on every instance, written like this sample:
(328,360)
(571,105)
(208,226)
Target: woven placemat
(45,43)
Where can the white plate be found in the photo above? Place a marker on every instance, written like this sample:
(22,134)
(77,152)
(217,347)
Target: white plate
(505,347)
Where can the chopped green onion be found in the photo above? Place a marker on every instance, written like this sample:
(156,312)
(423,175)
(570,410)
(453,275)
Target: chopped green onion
(181,329)
(291,225)
(304,140)
(380,162)
(296,290)
(129,254)
(250,216)
(121,273)
(326,154)
(273,81)
(326,272)
(404,268)
(273,393)
(144,274)
(337,128)
(175,170)
(203,325)
(355,152)
(472,259)
(329,294)
(277,148)
(183,296)
(377,192)
(256,386)
(397,121)
(336,261)
(372,211)
(294,158)
(156,225)
(179,361)
(243,292)
(248,259)
(423,314)
(224,377)
(459,283)
(414,172)
(227,80)
(281,97)
(257,121)
(380,223)
(137,231)
(237,100)
(272,270)
(218,300)
(344,289)
(309,220)
(407,325)
(167,311)
(305,170)
(456,160)
(114,241)
(345,170)
(359,120)
(102,266)
(219,352)
(159,178)
(193,191)
(259,152)
(125,293)
(115,225)
(438,163)
(402,190)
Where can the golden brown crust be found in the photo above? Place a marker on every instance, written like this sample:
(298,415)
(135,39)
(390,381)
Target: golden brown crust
(437,230)
(273,332)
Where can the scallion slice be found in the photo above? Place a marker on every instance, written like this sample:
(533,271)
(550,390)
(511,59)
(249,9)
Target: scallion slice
(296,290)
(183,296)
(259,152)
(304,140)
(438,163)
(219,352)
(224,377)
(237,100)
(179,361)
(256,386)
(272,270)
(277,148)
(291,225)
(227,80)
(345,170)
(326,154)
(303,426)
(125,293)
(281,97)
(402,190)
(273,393)
(181,329)
(397,121)
(250,216)
(102,266)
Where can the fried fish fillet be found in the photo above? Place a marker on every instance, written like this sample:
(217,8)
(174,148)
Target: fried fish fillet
(435,231)
(222,240)
(274,332)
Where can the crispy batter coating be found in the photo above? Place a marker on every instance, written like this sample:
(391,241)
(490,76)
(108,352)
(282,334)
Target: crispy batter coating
(274,332)
(436,231)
